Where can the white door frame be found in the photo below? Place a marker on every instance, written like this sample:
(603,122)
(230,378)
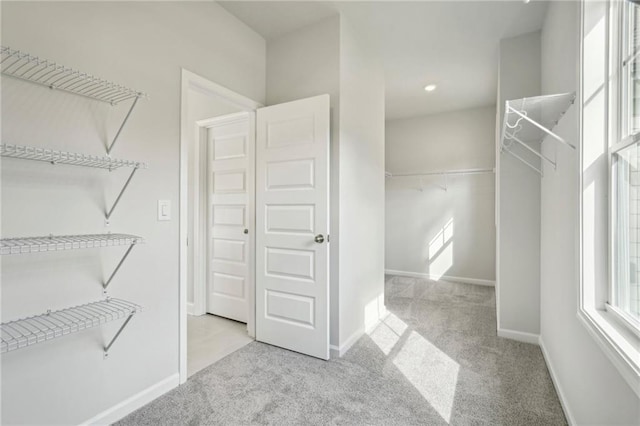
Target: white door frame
(192,81)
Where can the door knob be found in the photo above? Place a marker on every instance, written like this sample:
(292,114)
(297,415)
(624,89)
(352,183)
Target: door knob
(319,239)
(246,231)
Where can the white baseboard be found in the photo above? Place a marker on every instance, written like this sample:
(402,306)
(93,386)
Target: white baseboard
(382,315)
(556,384)
(339,351)
(138,400)
(466,280)
(520,336)
(191,308)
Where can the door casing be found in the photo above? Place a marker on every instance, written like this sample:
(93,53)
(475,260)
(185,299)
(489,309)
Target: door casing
(190,82)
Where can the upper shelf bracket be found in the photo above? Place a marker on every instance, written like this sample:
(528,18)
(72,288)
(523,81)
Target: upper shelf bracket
(115,271)
(540,114)
(115,337)
(540,126)
(26,67)
(115,203)
(115,138)
(55,157)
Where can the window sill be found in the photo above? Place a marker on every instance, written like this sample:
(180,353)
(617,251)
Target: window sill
(619,344)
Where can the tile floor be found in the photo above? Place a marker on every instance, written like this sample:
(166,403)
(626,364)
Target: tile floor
(211,338)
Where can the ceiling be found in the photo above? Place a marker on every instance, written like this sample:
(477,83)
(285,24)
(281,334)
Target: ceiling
(453,44)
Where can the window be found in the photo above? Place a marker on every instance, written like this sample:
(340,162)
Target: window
(624,295)
(610,181)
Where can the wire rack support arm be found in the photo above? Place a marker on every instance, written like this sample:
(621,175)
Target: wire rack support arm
(115,337)
(124,188)
(115,271)
(126,118)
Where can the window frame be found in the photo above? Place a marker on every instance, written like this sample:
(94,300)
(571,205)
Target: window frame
(620,138)
(618,343)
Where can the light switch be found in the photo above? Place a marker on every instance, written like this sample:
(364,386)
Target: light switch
(164,209)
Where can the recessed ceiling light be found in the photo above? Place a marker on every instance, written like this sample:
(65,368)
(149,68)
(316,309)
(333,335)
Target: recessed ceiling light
(430,87)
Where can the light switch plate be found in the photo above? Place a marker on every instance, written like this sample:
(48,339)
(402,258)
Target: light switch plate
(164,209)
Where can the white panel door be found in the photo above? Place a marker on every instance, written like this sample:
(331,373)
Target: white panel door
(230,154)
(292,221)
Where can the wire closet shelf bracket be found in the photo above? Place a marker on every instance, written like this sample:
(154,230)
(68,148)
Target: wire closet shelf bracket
(27,67)
(55,157)
(528,122)
(27,245)
(51,325)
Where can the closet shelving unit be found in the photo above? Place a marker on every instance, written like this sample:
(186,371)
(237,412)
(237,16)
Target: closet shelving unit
(65,242)
(528,121)
(50,325)
(443,173)
(33,69)
(12,333)
(74,159)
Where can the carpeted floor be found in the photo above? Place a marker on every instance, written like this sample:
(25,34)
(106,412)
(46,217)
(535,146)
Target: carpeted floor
(435,360)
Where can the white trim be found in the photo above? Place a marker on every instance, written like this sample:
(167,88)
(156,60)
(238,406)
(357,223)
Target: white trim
(199,216)
(337,352)
(465,280)
(624,319)
(191,308)
(519,336)
(556,384)
(138,400)
(614,345)
(193,81)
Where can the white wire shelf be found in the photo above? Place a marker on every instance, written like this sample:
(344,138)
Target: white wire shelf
(65,242)
(454,172)
(51,325)
(528,121)
(23,66)
(69,158)
(55,157)
(446,174)
(31,68)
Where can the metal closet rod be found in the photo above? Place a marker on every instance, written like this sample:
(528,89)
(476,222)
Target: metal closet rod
(445,172)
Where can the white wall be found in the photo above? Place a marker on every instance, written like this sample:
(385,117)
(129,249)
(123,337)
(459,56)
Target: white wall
(518,187)
(591,387)
(362,141)
(141,45)
(302,64)
(415,219)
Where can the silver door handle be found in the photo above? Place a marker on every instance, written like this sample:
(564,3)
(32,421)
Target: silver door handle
(319,239)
